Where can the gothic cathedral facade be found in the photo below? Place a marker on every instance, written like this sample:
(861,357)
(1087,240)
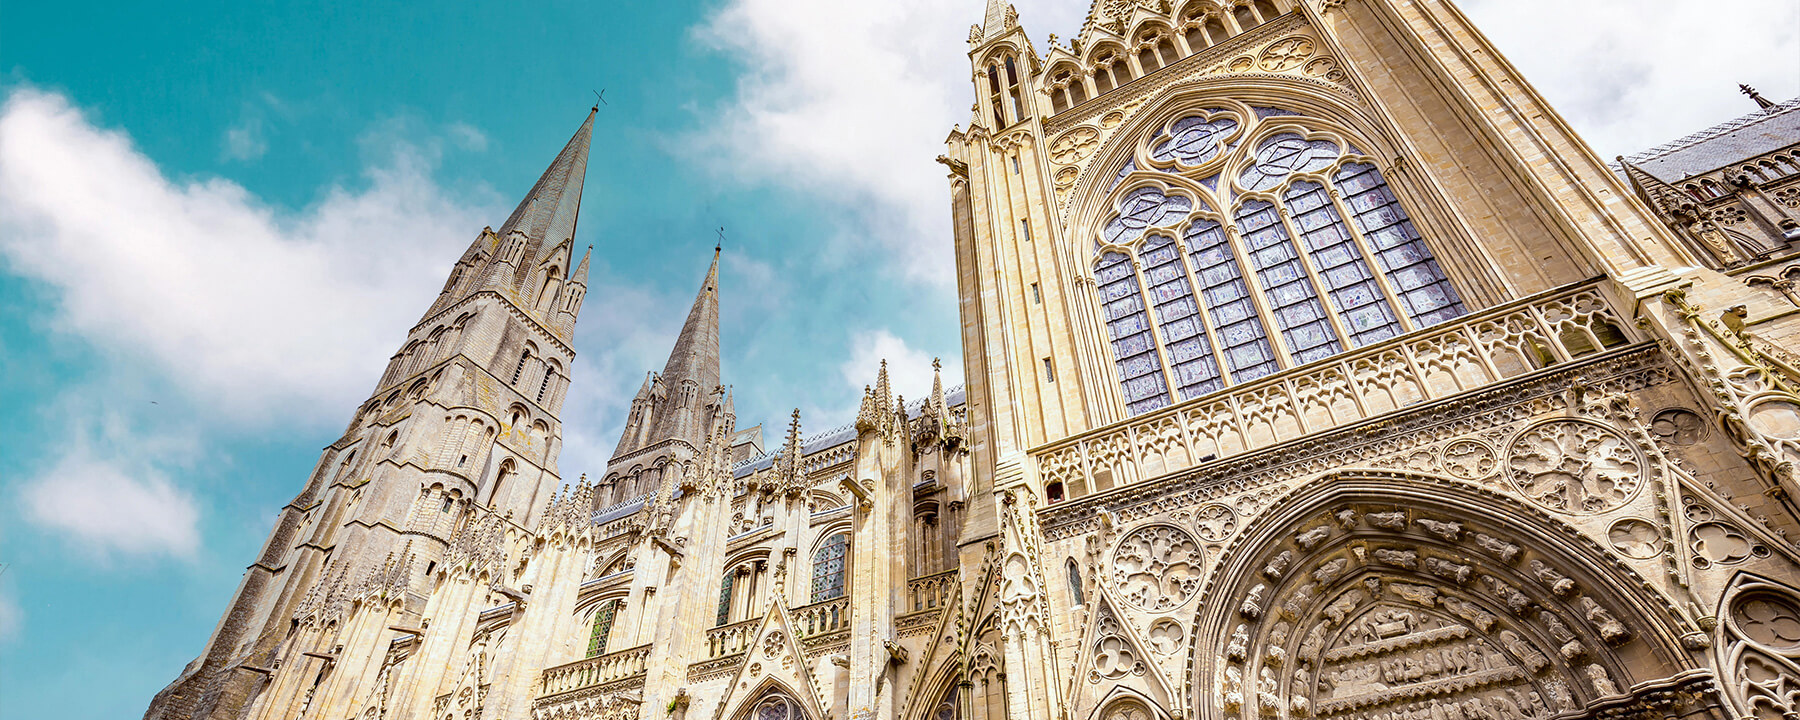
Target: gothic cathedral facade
(1315,369)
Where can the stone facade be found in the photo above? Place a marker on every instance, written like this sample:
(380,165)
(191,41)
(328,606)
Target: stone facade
(1316,369)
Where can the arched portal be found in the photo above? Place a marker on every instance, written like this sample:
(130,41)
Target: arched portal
(1381,596)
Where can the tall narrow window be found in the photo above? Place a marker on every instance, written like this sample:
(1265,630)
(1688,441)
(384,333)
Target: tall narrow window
(1025,229)
(1242,339)
(1425,294)
(1348,282)
(1078,91)
(1015,163)
(1266,9)
(828,568)
(1178,319)
(1147,57)
(1049,371)
(724,614)
(1167,48)
(1215,31)
(1037,296)
(1246,18)
(994,96)
(603,622)
(1012,90)
(1075,582)
(1103,82)
(519,371)
(1293,299)
(1122,307)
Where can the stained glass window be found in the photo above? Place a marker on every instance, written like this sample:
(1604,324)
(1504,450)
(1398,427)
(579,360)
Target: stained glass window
(725,598)
(1292,298)
(1178,319)
(1143,208)
(603,621)
(777,708)
(828,568)
(1242,340)
(1122,307)
(1335,257)
(1193,140)
(1425,294)
(1287,154)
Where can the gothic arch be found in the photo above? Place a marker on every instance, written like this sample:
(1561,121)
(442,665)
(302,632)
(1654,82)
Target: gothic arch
(1759,646)
(1377,591)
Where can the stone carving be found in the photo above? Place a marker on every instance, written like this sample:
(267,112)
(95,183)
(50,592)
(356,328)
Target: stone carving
(1469,459)
(1286,54)
(1451,531)
(1215,522)
(1515,601)
(1398,558)
(1454,572)
(1166,636)
(1395,520)
(1496,547)
(1278,565)
(1157,567)
(1127,711)
(1524,650)
(1252,607)
(1574,466)
(1344,605)
(1557,582)
(1422,594)
(1239,644)
(1678,426)
(1635,538)
(1311,538)
(1719,543)
(1611,630)
(1328,572)
(1074,145)
(1769,620)
(1571,649)
(1603,684)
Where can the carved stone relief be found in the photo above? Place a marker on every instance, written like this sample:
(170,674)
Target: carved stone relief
(1635,538)
(1575,466)
(1469,459)
(1114,658)
(1215,522)
(1157,567)
(1762,626)
(1678,427)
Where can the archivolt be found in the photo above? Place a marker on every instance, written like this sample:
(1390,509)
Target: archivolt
(1372,595)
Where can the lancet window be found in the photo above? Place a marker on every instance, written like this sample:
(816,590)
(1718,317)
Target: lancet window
(603,622)
(828,567)
(1236,250)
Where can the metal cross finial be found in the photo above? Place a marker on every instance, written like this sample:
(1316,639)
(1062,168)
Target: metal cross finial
(721,244)
(599,98)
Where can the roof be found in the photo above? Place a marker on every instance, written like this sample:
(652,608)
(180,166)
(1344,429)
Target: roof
(1763,131)
(838,435)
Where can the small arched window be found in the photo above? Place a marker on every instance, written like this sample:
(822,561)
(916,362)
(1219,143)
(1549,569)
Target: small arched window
(1147,56)
(993,73)
(1267,10)
(777,708)
(829,563)
(1075,582)
(1215,31)
(724,614)
(519,370)
(1246,18)
(552,284)
(603,622)
(551,371)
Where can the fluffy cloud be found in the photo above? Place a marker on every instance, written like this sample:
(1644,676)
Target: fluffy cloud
(114,508)
(257,312)
(909,368)
(848,101)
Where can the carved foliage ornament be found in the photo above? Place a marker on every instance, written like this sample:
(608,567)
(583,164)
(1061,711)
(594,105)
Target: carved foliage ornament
(1575,466)
(1157,567)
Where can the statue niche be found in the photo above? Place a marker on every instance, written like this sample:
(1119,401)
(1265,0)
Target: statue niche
(1368,606)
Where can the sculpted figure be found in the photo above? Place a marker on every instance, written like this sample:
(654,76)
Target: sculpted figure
(1603,684)
(1496,547)
(1307,540)
(1611,630)
(1278,565)
(1557,582)
(1446,530)
(1395,520)
(1252,607)
(1398,558)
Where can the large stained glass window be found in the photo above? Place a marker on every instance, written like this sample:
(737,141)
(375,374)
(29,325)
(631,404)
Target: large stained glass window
(1303,253)
(828,568)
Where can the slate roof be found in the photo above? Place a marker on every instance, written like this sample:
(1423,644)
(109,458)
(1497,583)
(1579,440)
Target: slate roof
(1715,147)
(838,435)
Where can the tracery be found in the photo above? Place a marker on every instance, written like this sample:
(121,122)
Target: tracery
(1333,260)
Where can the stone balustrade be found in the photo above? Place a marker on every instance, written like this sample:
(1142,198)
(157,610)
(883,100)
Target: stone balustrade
(598,670)
(822,617)
(1509,340)
(731,639)
(931,591)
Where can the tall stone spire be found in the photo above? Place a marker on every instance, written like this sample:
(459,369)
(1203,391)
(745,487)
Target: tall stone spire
(548,212)
(693,367)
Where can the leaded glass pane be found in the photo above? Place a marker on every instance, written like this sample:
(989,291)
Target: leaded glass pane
(1143,208)
(603,620)
(1287,154)
(1339,263)
(724,614)
(1130,167)
(1295,302)
(1193,140)
(1122,305)
(1196,372)
(1425,293)
(828,568)
(1243,341)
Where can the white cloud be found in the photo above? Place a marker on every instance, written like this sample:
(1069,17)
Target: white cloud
(468,137)
(245,141)
(109,507)
(849,101)
(909,368)
(256,312)
(11,616)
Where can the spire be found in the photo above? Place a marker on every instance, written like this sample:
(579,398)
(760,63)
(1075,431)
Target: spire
(693,366)
(1761,102)
(999,18)
(548,212)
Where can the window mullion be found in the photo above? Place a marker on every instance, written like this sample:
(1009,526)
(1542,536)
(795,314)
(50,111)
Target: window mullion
(1156,331)
(1201,311)
(1376,268)
(1252,277)
(1303,251)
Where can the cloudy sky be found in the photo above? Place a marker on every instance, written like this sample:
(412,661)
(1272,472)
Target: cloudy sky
(217,220)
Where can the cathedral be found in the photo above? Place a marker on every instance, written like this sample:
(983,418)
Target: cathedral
(1315,369)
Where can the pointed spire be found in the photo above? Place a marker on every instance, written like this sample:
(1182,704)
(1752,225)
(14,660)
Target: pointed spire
(790,473)
(641,407)
(866,419)
(999,18)
(693,365)
(1761,102)
(936,403)
(548,212)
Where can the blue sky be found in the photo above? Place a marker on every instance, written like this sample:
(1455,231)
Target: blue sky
(218,219)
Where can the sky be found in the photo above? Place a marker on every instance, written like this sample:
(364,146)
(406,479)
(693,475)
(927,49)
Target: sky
(218,220)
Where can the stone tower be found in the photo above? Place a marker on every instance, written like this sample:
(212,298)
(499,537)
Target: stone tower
(462,426)
(1322,371)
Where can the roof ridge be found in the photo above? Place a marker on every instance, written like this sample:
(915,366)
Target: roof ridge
(1732,125)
